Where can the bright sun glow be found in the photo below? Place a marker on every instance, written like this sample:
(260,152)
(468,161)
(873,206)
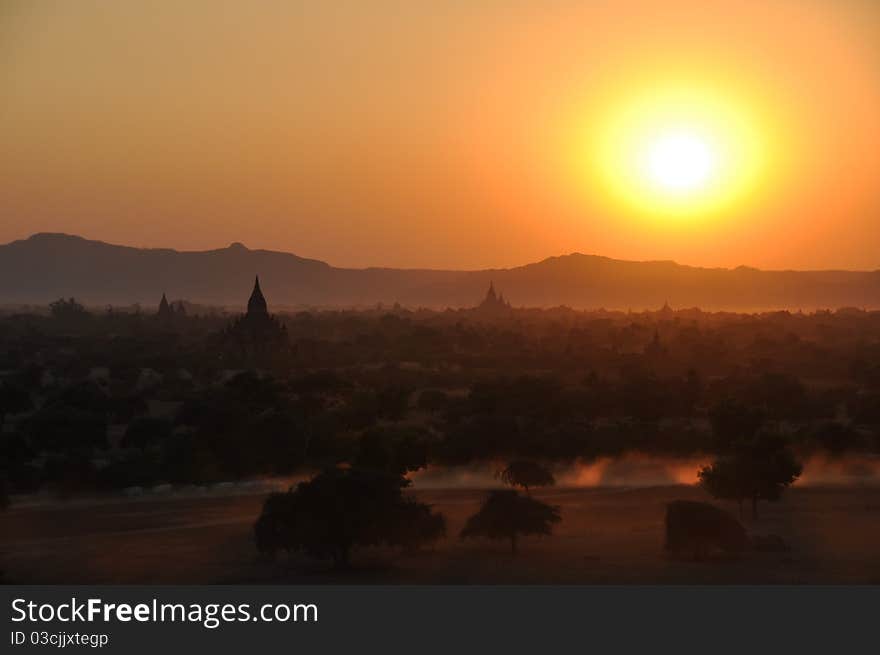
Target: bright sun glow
(683,151)
(679,162)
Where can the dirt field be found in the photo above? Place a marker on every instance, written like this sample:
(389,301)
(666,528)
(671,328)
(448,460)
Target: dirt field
(607,536)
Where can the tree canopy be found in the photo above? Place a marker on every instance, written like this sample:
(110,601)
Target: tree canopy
(341,509)
(759,469)
(505,514)
(13,399)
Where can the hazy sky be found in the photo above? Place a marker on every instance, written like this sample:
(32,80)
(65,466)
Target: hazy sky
(441,133)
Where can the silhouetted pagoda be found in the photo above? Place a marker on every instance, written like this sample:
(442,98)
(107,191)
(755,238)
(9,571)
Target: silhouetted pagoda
(164,308)
(168,312)
(666,311)
(257,337)
(493,302)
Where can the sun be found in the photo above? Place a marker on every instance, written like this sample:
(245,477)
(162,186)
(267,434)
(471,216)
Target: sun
(684,151)
(679,161)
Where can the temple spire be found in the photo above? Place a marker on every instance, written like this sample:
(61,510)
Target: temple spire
(257,303)
(164,307)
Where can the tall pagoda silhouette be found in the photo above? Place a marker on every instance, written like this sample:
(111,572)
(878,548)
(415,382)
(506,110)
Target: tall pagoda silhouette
(169,312)
(256,337)
(164,309)
(257,309)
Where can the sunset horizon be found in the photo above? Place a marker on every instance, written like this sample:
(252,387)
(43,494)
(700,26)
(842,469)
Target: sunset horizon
(243,243)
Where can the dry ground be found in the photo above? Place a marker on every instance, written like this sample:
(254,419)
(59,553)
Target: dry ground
(606,536)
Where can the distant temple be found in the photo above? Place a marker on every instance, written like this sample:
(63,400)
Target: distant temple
(164,308)
(493,302)
(169,311)
(257,309)
(257,336)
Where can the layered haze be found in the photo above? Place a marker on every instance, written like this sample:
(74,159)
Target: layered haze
(47,266)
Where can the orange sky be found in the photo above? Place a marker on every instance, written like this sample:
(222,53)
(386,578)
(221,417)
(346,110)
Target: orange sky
(437,133)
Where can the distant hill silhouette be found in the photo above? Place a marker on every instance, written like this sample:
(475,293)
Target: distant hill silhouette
(47,266)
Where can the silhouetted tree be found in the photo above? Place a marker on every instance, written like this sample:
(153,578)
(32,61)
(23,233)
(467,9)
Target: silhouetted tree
(781,396)
(272,531)
(13,400)
(392,401)
(4,503)
(526,473)
(70,473)
(417,525)
(691,392)
(758,470)
(725,479)
(643,397)
(701,527)
(62,428)
(341,509)
(505,514)
(4,491)
(16,455)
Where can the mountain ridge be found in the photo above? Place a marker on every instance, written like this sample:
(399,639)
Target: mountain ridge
(49,265)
